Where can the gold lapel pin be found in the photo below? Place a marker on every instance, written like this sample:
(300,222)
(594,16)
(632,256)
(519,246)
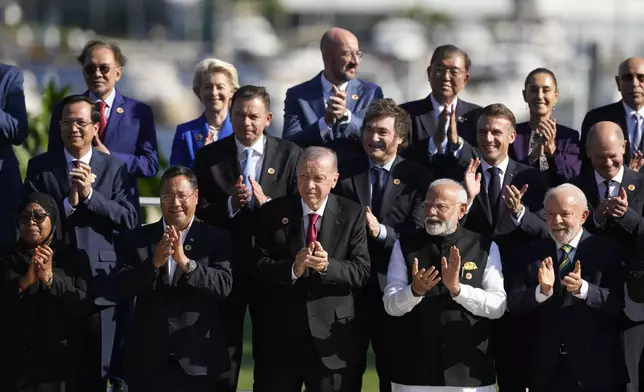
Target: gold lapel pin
(93,178)
(461,119)
(631,187)
(188,247)
(199,137)
(355,97)
(119,110)
(271,171)
(468,276)
(396,181)
(285,221)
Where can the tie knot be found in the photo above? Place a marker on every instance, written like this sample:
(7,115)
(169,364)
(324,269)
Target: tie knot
(248,152)
(566,249)
(495,171)
(313,218)
(636,116)
(379,171)
(101,105)
(608,183)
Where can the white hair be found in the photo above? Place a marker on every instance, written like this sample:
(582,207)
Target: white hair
(210,65)
(461,194)
(579,195)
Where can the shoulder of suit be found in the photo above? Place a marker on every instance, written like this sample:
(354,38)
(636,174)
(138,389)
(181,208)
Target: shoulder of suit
(134,102)
(9,71)
(469,105)
(214,151)
(414,106)
(347,205)
(285,144)
(211,232)
(304,85)
(196,123)
(367,84)
(610,108)
(601,244)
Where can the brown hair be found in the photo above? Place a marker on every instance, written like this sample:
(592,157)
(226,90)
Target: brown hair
(387,107)
(498,110)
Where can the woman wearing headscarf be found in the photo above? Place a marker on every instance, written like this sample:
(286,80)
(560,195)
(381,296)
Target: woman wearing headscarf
(44,305)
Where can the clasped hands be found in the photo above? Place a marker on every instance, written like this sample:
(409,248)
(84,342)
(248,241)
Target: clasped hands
(170,245)
(242,195)
(424,280)
(81,188)
(311,256)
(572,281)
(614,207)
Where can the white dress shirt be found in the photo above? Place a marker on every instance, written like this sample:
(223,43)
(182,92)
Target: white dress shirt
(438,109)
(327,92)
(503,166)
(382,236)
(631,124)
(613,190)
(583,292)
(85,159)
(306,210)
(257,160)
(109,101)
(489,301)
(172,265)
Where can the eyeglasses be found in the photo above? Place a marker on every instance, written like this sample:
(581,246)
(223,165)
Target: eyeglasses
(169,197)
(630,77)
(349,55)
(38,217)
(78,123)
(440,70)
(103,68)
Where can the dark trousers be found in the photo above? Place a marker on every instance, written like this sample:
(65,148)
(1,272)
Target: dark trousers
(565,381)
(508,353)
(172,379)
(371,319)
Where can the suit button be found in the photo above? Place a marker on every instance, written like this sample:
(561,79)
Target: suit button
(309,294)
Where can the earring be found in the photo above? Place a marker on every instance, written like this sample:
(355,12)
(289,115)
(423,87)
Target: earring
(554,107)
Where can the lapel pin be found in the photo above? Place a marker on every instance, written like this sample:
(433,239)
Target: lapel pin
(94,178)
(396,181)
(119,110)
(461,119)
(355,97)
(285,221)
(271,171)
(188,247)
(199,137)
(468,276)
(631,187)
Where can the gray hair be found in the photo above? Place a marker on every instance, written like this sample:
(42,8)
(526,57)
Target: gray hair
(461,194)
(580,197)
(315,153)
(211,65)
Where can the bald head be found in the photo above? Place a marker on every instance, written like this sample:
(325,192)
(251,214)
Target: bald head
(335,36)
(630,82)
(341,55)
(566,211)
(606,147)
(568,193)
(605,132)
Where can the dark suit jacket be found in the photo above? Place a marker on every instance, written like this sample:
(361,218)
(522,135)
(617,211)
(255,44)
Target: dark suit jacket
(304,106)
(401,211)
(180,317)
(628,228)
(564,166)
(190,137)
(587,328)
(318,306)
(130,136)
(13,131)
(423,125)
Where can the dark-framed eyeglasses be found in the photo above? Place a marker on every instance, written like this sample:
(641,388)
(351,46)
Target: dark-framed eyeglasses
(38,217)
(90,69)
(169,197)
(70,123)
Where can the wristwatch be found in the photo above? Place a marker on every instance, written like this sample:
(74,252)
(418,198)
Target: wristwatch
(192,265)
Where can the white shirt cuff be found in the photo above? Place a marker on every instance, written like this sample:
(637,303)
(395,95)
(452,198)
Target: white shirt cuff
(324,127)
(231,214)
(347,114)
(383,233)
(540,297)
(583,291)
(68,207)
(517,220)
(293,276)
(86,201)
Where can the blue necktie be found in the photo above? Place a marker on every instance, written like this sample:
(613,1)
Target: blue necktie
(378,189)
(249,171)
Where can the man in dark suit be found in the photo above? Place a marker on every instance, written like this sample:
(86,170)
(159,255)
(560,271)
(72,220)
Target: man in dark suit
(237,176)
(179,271)
(312,258)
(432,134)
(572,288)
(126,128)
(328,109)
(628,113)
(92,189)
(391,188)
(13,131)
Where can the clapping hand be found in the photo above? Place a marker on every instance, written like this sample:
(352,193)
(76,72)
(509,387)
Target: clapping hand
(573,281)
(451,271)
(546,276)
(423,280)
(472,180)
(512,198)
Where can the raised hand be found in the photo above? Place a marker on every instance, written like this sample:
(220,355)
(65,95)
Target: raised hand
(423,280)
(258,192)
(512,198)
(548,129)
(573,281)
(451,271)
(472,180)
(241,195)
(373,226)
(546,276)
(637,161)
(162,251)
(618,205)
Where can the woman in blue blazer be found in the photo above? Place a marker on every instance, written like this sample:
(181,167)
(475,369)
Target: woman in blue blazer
(214,82)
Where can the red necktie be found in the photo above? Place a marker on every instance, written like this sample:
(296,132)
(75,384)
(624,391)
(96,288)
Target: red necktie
(312,231)
(103,121)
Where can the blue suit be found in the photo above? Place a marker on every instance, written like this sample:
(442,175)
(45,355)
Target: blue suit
(130,136)
(190,137)
(13,131)
(304,106)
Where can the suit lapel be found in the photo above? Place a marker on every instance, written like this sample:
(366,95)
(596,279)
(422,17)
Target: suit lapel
(316,99)
(362,187)
(114,121)
(156,231)
(294,227)
(188,246)
(510,172)
(352,94)
(61,172)
(590,187)
(393,188)
(331,223)
(427,119)
(628,183)
(268,175)
(231,164)
(483,199)
(96,164)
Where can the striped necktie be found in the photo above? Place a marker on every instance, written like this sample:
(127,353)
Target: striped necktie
(565,264)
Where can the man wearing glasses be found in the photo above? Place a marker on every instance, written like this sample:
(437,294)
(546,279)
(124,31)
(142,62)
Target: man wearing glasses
(328,109)
(126,126)
(92,190)
(628,113)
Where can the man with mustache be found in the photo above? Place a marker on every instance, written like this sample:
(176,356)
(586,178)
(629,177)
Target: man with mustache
(444,285)
(628,113)
(573,290)
(328,109)
(391,188)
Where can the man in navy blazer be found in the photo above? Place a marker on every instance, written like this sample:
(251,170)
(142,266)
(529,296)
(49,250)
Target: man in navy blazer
(13,131)
(127,126)
(92,189)
(328,109)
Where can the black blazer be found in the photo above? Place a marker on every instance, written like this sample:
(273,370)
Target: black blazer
(628,228)
(43,330)
(401,211)
(587,328)
(179,317)
(319,306)
(423,125)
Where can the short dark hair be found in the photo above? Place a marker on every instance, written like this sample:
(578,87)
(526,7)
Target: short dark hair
(178,171)
(448,50)
(498,110)
(248,92)
(95,117)
(121,60)
(540,71)
(387,107)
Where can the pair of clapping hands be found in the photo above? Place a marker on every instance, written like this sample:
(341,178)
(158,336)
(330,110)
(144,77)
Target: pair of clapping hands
(311,256)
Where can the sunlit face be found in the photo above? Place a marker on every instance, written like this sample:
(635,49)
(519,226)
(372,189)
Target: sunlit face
(379,139)
(564,216)
(442,210)
(494,136)
(541,94)
(178,201)
(34,224)
(315,179)
(630,83)
(215,91)
(448,77)
(606,155)
(76,127)
(249,119)
(101,71)
(342,58)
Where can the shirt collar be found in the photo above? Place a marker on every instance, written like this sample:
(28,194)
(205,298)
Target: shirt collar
(503,165)
(258,146)
(387,165)
(438,107)
(629,111)
(574,242)
(619,177)
(109,100)
(328,86)
(306,210)
(183,232)
(85,158)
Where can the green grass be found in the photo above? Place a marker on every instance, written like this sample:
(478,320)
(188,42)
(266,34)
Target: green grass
(369,381)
